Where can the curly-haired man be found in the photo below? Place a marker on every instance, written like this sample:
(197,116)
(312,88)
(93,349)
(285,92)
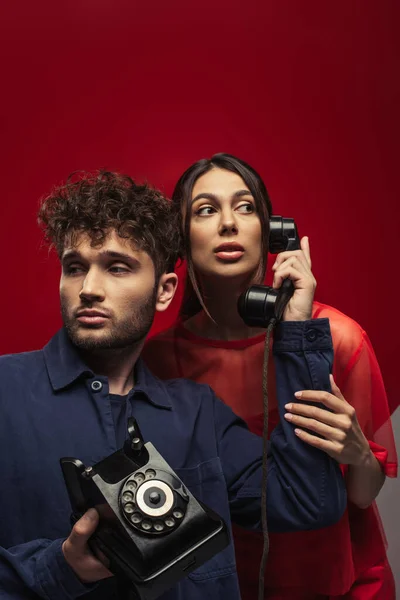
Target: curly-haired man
(117,242)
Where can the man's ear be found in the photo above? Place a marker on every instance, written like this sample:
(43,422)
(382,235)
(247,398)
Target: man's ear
(166,289)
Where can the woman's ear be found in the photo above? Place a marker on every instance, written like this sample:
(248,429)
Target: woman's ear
(167,286)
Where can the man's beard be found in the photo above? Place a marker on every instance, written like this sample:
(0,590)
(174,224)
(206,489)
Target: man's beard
(127,332)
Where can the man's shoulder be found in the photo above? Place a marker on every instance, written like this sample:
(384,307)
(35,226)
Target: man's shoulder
(186,392)
(23,358)
(181,387)
(21,362)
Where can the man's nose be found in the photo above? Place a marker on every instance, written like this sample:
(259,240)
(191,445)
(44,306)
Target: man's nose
(92,288)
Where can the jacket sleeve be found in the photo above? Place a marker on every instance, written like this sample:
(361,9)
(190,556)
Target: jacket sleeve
(37,569)
(305,487)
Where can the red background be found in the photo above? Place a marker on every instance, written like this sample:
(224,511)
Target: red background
(307,92)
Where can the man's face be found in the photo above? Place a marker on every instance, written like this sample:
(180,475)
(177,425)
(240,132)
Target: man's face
(108,294)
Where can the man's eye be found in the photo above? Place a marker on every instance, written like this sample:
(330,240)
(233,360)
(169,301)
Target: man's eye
(117,269)
(205,210)
(73,269)
(245,208)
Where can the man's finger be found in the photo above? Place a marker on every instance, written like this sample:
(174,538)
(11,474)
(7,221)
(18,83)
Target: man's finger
(84,528)
(101,556)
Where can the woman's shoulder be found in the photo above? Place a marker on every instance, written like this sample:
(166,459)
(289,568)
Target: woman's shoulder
(163,337)
(159,354)
(347,334)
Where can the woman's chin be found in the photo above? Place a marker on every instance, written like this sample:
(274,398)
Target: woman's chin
(232,272)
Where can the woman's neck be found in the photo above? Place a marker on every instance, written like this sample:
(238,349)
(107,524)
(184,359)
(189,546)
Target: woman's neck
(225,322)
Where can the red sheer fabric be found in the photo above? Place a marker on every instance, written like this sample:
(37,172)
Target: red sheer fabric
(327,562)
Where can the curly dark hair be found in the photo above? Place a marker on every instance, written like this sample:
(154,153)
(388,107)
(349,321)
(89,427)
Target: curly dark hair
(96,202)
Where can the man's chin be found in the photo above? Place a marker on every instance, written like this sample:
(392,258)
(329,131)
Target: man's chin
(97,339)
(89,339)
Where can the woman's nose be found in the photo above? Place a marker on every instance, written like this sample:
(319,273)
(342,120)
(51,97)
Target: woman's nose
(228,224)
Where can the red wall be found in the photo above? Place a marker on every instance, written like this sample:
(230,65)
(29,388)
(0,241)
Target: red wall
(307,92)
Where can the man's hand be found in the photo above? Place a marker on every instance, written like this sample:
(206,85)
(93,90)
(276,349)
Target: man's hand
(341,434)
(296,265)
(78,554)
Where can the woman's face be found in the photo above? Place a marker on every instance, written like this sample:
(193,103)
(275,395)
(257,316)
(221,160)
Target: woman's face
(225,229)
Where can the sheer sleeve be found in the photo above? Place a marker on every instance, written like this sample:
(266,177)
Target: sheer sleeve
(357,373)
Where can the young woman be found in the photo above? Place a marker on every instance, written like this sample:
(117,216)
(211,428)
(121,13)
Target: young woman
(225,212)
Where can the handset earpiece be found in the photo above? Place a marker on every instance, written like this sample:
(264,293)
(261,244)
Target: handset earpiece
(261,304)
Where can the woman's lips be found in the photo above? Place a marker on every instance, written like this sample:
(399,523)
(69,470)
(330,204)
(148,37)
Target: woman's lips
(229,252)
(229,255)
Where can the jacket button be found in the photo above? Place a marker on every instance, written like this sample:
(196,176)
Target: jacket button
(96,386)
(311,335)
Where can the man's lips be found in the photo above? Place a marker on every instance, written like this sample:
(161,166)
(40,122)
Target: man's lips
(91,317)
(229,251)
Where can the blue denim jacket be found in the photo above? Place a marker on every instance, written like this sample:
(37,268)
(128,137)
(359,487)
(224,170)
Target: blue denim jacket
(51,407)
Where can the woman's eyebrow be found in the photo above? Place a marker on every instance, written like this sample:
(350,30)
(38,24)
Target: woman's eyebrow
(241,193)
(206,196)
(209,196)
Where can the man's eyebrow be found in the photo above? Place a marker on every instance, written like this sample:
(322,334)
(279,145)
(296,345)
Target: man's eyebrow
(70,254)
(118,255)
(208,196)
(75,254)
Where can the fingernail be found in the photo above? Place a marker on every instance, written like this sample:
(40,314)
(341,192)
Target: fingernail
(90,514)
(288,416)
(297,431)
(289,406)
(298,394)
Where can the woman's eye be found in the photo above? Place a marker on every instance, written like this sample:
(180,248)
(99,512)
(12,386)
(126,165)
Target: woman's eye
(246,208)
(205,210)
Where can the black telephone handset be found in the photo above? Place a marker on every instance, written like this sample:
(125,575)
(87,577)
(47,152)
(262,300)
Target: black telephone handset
(263,306)
(260,304)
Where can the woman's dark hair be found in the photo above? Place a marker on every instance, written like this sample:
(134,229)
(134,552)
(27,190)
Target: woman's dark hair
(96,202)
(182,200)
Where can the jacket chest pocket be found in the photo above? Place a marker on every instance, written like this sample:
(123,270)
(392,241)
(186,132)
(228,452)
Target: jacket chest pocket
(206,482)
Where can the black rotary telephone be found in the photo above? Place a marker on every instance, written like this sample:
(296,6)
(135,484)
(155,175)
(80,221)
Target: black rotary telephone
(261,305)
(152,529)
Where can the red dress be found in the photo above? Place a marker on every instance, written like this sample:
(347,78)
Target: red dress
(348,559)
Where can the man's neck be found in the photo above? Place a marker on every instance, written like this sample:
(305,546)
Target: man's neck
(118,365)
